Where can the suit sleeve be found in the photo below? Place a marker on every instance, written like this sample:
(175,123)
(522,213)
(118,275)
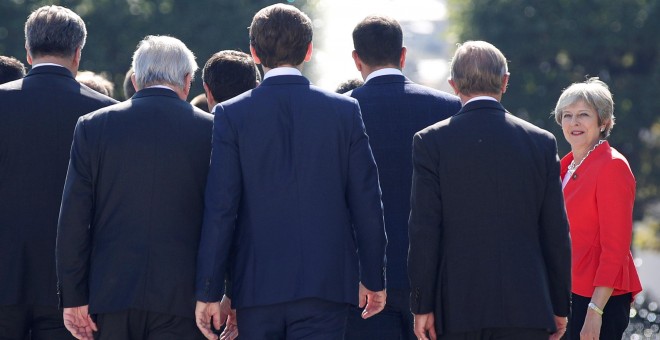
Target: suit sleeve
(424,229)
(615,197)
(554,236)
(73,228)
(364,200)
(222,197)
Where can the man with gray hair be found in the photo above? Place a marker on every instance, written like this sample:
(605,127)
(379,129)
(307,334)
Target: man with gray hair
(132,206)
(38,116)
(490,254)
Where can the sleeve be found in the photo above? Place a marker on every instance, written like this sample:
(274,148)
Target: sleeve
(364,201)
(73,243)
(615,197)
(554,236)
(222,197)
(424,230)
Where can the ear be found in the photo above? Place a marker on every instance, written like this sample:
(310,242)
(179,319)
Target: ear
(27,55)
(402,60)
(187,83)
(453,85)
(505,82)
(255,57)
(134,82)
(77,56)
(357,60)
(308,55)
(209,95)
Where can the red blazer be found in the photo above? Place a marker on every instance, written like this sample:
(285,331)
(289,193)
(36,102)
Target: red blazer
(599,201)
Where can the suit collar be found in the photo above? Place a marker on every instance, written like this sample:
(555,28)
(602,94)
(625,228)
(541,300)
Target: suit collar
(155,91)
(481,104)
(51,69)
(285,80)
(388,79)
(594,155)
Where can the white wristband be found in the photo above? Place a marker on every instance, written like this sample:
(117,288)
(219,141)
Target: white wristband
(595,308)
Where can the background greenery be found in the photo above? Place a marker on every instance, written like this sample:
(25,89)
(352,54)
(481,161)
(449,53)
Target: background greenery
(550,44)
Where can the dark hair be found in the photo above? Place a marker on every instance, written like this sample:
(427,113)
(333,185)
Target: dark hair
(229,73)
(10,69)
(378,41)
(129,90)
(349,85)
(200,102)
(54,30)
(280,35)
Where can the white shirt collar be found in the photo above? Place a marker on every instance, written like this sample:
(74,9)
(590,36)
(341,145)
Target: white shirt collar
(283,71)
(480,98)
(384,72)
(46,64)
(160,87)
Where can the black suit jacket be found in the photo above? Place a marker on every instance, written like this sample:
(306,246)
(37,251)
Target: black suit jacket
(489,242)
(37,116)
(132,206)
(394,109)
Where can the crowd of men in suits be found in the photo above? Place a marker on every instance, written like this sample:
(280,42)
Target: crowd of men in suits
(287,213)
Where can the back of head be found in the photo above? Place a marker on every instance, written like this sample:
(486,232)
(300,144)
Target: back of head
(163,60)
(478,68)
(200,102)
(378,41)
(229,73)
(96,82)
(10,69)
(54,31)
(349,85)
(280,35)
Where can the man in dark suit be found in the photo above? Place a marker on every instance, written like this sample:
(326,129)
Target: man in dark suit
(132,206)
(37,119)
(393,109)
(294,185)
(490,252)
(227,74)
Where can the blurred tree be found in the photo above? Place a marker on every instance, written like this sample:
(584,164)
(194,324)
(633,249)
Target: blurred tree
(114,27)
(551,44)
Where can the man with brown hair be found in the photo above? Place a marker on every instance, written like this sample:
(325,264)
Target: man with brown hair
(294,186)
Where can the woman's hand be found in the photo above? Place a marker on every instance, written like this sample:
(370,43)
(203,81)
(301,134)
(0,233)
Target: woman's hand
(591,328)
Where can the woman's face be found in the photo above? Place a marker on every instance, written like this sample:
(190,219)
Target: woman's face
(579,122)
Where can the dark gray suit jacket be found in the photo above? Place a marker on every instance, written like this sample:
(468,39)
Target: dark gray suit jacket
(37,116)
(132,206)
(489,242)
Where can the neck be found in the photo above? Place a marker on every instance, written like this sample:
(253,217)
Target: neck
(266,69)
(367,70)
(67,63)
(466,98)
(579,154)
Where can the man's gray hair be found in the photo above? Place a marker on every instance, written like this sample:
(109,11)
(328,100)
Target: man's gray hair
(478,68)
(54,31)
(162,60)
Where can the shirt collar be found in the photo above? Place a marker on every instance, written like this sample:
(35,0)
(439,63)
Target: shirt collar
(160,87)
(384,72)
(46,64)
(283,71)
(480,98)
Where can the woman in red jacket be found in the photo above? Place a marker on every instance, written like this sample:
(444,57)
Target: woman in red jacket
(599,191)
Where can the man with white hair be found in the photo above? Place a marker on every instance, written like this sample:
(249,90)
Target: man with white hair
(132,206)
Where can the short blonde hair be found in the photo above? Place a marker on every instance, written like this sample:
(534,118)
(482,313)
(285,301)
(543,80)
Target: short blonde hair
(478,67)
(595,93)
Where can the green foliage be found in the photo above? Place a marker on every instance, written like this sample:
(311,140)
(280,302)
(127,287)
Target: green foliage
(551,44)
(114,27)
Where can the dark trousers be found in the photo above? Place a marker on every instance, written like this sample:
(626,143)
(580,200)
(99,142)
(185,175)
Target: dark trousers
(499,334)
(310,319)
(138,325)
(395,322)
(616,316)
(19,322)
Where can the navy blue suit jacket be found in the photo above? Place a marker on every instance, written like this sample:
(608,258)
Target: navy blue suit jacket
(132,206)
(294,185)
(37,116)
(394,109)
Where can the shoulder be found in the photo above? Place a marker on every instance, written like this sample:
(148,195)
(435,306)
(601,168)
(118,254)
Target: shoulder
(529,128)
(615,166)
